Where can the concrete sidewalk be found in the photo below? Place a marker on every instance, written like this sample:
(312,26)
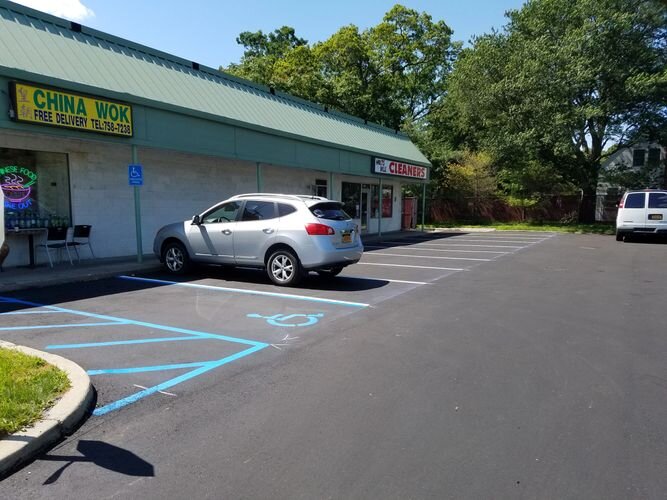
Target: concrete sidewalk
(13,279)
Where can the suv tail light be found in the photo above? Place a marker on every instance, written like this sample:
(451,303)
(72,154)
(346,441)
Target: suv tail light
(620,203)
(319,230)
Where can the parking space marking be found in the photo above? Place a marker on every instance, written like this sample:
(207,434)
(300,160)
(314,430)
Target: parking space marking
(427,256)
(250,292)
(386,279)
(411,266)
(200,367)
(121,342)
(469,245)
(413,247)
(29,312)
(73,325)
(481,240)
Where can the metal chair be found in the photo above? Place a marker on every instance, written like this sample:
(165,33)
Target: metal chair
(80,237)
(56,239)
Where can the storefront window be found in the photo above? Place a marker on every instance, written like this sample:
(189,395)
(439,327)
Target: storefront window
(36,188)
(387,197)
(351,193)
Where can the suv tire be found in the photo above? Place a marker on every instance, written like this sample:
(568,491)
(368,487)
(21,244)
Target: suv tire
(284,268)
(175,258)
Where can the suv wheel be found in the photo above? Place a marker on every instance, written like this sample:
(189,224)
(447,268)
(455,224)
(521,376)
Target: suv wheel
(284,268)
(175,257)
(619,236)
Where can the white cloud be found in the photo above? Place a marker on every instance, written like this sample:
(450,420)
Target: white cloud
(73,10)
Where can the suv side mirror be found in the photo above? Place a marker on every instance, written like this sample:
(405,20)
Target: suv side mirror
(196,220)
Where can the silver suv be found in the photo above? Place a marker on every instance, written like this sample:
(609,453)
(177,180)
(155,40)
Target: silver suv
(288,235)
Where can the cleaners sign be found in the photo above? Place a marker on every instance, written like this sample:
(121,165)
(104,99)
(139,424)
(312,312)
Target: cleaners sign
(391,167)
(48,106)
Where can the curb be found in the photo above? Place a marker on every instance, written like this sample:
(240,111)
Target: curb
(58,421)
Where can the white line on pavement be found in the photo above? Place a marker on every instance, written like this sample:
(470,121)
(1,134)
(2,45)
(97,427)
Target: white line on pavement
(386,279)
(432,249)
(426,256)
(407,265)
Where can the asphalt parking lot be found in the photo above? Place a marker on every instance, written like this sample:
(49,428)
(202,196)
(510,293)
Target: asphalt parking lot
(458,365)
(169,331)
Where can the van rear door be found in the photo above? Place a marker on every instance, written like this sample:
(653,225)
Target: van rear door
(656,214)
(633,213)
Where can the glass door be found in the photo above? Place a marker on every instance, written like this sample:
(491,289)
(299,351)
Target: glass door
(365,209)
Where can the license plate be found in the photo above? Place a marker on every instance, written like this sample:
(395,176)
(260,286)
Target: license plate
(654,216)
(347,238)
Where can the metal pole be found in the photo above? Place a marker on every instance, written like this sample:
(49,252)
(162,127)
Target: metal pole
(380,210)
(137,209)
(259,177)
(423,204)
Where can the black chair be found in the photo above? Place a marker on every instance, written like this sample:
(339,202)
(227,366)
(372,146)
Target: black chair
(56,239)
(80,237)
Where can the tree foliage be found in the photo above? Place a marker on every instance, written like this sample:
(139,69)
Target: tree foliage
(390,73)
(559,84)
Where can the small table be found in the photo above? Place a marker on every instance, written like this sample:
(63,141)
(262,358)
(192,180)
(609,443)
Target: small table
(30,233)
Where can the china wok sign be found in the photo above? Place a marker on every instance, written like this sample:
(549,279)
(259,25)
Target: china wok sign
(48,106)
(397,168)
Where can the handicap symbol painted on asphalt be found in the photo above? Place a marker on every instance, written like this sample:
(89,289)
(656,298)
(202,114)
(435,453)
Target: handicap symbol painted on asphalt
(290,319)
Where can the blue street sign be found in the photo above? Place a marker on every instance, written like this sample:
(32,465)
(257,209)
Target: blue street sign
(135,175)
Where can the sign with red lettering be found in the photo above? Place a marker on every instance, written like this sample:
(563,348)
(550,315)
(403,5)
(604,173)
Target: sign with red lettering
(392,167)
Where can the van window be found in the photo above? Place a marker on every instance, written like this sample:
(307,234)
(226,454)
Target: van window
(657,200)
(330,211)
(634,200)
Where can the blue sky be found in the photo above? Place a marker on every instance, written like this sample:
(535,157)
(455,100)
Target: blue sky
(205,31)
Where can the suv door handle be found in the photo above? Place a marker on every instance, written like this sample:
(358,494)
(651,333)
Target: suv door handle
(268,230)
(227,231)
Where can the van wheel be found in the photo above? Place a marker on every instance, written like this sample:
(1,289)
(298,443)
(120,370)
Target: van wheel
(284,268)
(619,236)
(175,257)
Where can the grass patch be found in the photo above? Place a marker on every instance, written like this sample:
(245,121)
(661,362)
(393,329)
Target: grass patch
(533,226)
(28,386)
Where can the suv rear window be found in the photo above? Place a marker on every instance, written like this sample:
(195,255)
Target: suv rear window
(634,200)
(657,200)
(330,211)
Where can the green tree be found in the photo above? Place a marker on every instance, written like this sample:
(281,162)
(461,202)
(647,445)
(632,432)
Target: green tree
(560,83)
(389,74)
(263,52)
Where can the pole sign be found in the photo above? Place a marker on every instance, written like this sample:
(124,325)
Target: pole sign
(135,175)
(42,105)
(385,166)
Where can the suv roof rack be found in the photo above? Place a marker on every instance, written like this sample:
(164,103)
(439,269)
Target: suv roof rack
(299,197)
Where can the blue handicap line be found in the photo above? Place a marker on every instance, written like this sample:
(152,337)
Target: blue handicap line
(123,321)
(141,369)
(28,312)
(122,342)
(177,380)
(283,319)
(73,325)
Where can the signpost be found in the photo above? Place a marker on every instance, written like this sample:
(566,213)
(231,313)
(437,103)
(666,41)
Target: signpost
(135,177)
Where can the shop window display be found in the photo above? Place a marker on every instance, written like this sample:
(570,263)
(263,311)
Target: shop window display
(36,189)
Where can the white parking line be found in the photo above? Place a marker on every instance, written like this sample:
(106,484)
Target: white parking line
(248,292)
(480,240)
(426,256)
(469,245)
(413,267)
(386,279)
(434,249)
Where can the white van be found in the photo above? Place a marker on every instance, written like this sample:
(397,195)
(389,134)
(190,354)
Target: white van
(642,212)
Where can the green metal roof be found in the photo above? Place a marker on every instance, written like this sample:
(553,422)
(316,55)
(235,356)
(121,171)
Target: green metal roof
(34,43)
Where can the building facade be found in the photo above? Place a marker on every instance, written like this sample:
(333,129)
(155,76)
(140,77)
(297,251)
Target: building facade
(78,107)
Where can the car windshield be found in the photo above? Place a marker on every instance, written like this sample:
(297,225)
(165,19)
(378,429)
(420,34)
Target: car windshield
(329,210)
